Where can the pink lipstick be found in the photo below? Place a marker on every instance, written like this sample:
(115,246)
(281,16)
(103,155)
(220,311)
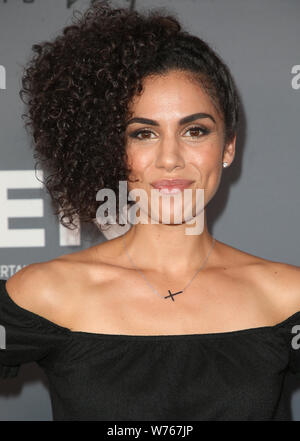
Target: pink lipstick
(171,186)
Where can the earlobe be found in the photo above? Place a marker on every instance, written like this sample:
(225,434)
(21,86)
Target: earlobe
(229,150)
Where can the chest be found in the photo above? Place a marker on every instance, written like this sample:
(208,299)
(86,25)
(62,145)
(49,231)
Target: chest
(124,303)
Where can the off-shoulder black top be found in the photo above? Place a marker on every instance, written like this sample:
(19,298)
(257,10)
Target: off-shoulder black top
(234,375)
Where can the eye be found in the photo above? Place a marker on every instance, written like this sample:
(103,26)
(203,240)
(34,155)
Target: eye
(136,133)
(198,129)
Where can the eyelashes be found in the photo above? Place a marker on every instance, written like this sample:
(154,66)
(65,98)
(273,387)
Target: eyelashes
(204,131)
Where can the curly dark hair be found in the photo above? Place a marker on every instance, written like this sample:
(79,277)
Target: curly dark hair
(78,88)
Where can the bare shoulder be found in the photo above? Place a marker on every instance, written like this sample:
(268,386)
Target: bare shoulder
(282,283)
(38,288)
(57,288)
(275,283)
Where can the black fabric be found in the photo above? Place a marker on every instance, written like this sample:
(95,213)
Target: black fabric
(235,375)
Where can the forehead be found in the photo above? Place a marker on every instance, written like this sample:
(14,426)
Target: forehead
(174,94)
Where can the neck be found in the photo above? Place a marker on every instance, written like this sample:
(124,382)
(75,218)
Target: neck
(167,248)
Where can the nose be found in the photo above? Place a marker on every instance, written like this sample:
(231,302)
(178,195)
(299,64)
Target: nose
(169,154)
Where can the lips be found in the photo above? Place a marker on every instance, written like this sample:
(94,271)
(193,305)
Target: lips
(172,185)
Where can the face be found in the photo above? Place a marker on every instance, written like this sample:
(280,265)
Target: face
(174,144)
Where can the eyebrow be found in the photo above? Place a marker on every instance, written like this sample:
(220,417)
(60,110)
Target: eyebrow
(182,121)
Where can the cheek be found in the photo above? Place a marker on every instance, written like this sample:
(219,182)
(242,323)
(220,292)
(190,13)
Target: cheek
(137,161)
(207,159)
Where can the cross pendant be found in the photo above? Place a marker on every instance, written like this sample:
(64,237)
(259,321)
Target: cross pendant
(172,294)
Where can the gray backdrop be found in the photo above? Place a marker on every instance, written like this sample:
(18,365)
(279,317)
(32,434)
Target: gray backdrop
(257,206)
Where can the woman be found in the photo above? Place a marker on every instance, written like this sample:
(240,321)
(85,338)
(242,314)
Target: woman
(159,323)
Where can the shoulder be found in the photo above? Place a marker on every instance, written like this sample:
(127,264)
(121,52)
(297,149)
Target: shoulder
(282,283)
(38,287)
(276,284)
